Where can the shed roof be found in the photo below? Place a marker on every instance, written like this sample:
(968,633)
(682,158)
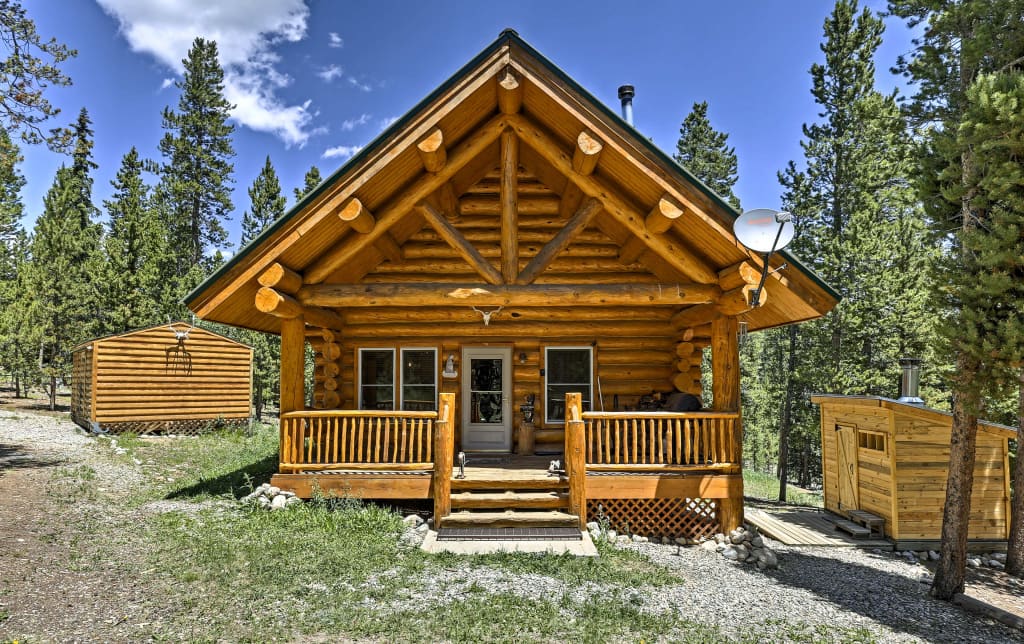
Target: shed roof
(655,210)
(912,410)
(170,326)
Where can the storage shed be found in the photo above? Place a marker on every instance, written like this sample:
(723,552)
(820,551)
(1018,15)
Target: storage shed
(173,378)
(891,459)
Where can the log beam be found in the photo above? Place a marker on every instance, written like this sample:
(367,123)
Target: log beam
(372,295)
(587,153)
(286,307)
(559,242)
(357,216)
(432,151)
(389,248)
(631,250)
(676,256)
(456,240)
(509,191)
(731,303)
(281,278)
(664,213)
(738,275)
(407,199)
(725,387)
(510,92)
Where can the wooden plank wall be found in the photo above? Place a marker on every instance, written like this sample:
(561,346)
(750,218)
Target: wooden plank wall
(922,459)
(143,376)
(874,468)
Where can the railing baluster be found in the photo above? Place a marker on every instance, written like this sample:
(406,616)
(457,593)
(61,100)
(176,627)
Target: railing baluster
(388,449)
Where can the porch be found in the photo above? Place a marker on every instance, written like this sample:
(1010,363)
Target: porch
(654,473)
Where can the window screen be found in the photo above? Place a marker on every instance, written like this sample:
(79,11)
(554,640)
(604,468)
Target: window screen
(567,370)
(419,379)
(377,379)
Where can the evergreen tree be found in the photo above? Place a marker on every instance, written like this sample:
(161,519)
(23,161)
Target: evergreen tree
(136,247)
(706,154)
(961,41)
(32,65)
(267,207)
(267,203)
(11,251)
(196,174)
(858,228)
(311,181)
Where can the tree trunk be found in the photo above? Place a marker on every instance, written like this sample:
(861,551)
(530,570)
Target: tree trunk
(1015,541)
(17,386)
(787,416)
(53,393)
(259,401)
(949,575)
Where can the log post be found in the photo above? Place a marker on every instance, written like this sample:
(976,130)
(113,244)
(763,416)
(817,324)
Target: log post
(725,387)
(524,439)
(575,462)
(443,446)
(293,362)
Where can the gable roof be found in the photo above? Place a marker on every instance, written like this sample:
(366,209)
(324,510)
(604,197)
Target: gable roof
(170,326)
(550,117)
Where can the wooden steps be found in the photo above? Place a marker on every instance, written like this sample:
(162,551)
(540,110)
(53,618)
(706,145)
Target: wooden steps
(509,499)
(511,519)
(499,483)
(855,530)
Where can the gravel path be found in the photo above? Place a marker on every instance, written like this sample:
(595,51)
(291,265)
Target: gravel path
(45,590)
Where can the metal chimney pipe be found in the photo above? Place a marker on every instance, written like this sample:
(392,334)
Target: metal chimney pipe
(626,93)
(911,381)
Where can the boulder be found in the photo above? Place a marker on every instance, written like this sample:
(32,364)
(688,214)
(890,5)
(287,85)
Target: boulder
(278,503)
(413,521)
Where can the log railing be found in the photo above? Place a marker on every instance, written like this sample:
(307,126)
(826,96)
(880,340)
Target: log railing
(356,440)
(662,441)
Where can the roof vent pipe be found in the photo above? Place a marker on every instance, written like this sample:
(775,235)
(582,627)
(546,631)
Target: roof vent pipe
(911,381)
(626,93)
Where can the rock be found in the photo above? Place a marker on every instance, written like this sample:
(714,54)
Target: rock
(742,552)
(665,541)
(683,541)
(769,559)
(262,487)
(594,526)
(263,501)
(137,461)
(637,539)
(413,521)
(933,556)
(731,553)
(720,538)
(292,500)
(423,528)
(998,565)
(430,522)
(709,546)
(922,556)
(622,539)
(757,541)
(594,534)
(926,578)
(273,491)
(287,493)
(1000,557)
(278,503)
(973,563)
(611,534)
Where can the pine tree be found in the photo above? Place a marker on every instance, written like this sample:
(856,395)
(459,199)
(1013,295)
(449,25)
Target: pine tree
(858,229)
(268,206)
(706,154)
(11,252)
(961,41)
(196,174)
(136,247)
(310,181)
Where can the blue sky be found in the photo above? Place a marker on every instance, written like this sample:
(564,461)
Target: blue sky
(314,81)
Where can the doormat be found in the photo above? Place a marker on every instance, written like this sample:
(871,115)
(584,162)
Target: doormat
(509,534)
(487,460)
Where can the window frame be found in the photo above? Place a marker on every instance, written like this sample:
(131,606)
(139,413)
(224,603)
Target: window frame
(395,375)
(401,379)
(588,395)
(866,439)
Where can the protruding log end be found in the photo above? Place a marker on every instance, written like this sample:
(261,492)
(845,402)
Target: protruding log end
(587,153)
(357,216)
(281,278)
(664,214)
(510,92)
(432,151)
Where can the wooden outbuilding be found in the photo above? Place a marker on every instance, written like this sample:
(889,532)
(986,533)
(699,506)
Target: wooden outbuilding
(891,459)
(172,378)
(512,241)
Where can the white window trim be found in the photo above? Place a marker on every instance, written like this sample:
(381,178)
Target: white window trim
(398,374)
(395,375)
(587,395)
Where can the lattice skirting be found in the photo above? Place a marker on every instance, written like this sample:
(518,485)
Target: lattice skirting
(183,427)
(689,518)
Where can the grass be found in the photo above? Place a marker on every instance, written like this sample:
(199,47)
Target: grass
(758,485)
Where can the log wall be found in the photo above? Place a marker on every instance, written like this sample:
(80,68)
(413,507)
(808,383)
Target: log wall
(146,377)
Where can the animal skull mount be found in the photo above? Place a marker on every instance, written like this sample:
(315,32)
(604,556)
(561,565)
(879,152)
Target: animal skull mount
(487,314)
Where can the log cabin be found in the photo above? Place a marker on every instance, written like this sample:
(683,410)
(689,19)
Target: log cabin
(171,378)
(512,270)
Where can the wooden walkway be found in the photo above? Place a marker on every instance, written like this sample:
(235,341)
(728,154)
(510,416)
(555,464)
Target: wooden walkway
(806,527)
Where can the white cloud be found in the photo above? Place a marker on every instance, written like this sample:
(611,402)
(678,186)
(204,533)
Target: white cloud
(343,152)
(350,124)
(330,72)
(335,41)
(359,85)
(167,82)
(386,122)
(245,32)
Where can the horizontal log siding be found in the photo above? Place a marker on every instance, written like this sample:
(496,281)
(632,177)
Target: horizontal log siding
(143,376)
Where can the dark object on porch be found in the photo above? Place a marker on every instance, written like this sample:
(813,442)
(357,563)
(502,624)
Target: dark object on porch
(681,401)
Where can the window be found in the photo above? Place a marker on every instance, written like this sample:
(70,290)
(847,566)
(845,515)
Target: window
(419,379)
(567,370)
(871,441)
(377,379)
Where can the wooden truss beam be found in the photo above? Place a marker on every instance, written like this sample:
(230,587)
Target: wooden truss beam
(509,191)
(406,200)
(286,307)
(510,92)
(366,295)
(675,255)
(456,240)
(559,242)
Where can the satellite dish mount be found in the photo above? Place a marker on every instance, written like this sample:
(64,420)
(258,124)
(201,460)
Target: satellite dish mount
(764,231)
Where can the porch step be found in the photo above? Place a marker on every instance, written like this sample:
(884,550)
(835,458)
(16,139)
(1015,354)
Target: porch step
(511,519)
(510,499)
(507,483)
(856,531)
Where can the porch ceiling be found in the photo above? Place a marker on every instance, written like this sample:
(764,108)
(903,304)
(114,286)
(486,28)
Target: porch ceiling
(509,186)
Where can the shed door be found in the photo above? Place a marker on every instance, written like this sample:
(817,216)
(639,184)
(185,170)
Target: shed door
(846,460)
(486,395)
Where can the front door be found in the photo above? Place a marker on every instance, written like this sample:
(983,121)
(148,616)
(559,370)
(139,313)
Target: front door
(846,461)
(486,399)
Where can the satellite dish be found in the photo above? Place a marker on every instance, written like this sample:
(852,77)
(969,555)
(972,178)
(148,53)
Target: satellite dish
(764,230)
